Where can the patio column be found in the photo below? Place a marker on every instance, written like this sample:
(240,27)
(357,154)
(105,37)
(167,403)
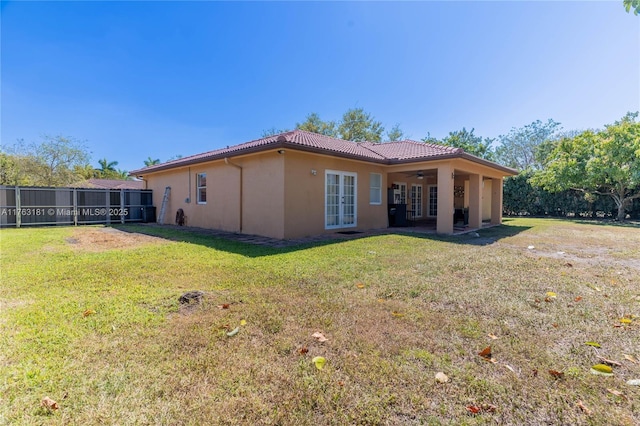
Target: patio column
(444,219)
(496,201)
(475,201)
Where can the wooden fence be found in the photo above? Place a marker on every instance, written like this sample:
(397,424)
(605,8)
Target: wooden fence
(35,206)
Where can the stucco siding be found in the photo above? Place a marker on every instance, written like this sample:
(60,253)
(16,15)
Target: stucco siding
(305,194)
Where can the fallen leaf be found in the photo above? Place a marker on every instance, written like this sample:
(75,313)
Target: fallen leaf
(340,383)
(319,336)
(556,374)
(486,352)
(555,325)
(243,322)
(224,306)
(360,285)
(583,408)
(551,294)
(88,312)
(569,265)
(577,299)
(609,361)
(510,368)
(492,336)
(303,350)
(616,393)
(397,314)
(548,299)
(474,409)
(602,370)
(319,362)
(441,377)
(489,408)
(625,321)
(49,403)
(486,355)
(233,332)
(630,358)
(594,344)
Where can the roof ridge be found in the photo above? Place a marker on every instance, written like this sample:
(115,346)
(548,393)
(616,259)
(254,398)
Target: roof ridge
(371,150)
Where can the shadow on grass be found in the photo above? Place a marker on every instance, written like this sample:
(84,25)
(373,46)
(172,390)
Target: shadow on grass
(250,246)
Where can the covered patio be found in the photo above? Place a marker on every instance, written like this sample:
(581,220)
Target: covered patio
(447,197)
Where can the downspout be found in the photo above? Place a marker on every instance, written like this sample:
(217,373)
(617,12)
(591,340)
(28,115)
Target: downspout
(188,200)
(226,161)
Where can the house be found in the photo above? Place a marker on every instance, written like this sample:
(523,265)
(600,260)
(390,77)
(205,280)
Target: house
(110,184)
(299,184)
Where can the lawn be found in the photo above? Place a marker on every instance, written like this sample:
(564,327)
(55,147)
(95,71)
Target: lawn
(90,318)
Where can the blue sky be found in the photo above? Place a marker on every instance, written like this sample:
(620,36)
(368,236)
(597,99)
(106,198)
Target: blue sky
(140,79)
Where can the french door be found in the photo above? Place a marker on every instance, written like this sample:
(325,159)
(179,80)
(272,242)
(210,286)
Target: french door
(433,201)
(340,199)
(416,199)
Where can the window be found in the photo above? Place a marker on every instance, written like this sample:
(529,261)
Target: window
(401,195)
(201,180)
(433,201)
(416,199)
(375,188)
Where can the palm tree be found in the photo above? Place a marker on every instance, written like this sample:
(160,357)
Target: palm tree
(122,174)
(86,171)
(151,162)
(107,167)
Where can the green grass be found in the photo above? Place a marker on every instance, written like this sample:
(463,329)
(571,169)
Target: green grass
(142,359)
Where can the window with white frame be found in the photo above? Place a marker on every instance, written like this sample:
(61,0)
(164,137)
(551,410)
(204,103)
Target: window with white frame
(201,184)
(375,188)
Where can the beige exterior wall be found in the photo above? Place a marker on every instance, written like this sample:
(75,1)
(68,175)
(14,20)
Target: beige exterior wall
(262,195)
(305,193)
(282,195)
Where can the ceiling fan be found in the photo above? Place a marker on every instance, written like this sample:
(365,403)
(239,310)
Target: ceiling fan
(419,174)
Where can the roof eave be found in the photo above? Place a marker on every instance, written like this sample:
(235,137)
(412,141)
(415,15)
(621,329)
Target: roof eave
(279,144)
(262,148)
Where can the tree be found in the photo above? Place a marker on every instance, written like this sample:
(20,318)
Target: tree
(632,4)
(603,162)
(430,139)
(395,134)
(151,162)
(471,143)
(86,171)
(107,168)
(51,162)
(518,148)
(121,174)
(314,124)
(265,134)
(11,172)
(359,126)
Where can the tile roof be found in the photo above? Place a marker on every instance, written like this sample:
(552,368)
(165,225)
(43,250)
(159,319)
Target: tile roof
(110,184)
(385,153)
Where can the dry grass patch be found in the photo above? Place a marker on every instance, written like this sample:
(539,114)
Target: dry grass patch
(96,239)
(395,310)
